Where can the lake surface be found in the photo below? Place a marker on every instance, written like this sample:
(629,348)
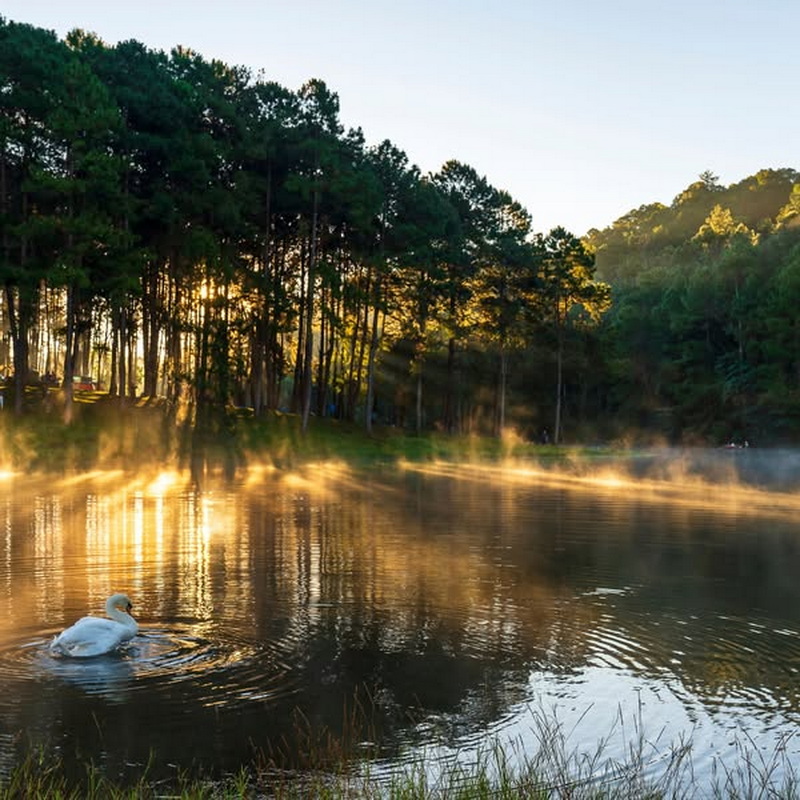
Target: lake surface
(419,610)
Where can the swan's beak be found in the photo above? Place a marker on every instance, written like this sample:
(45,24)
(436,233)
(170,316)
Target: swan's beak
(129,607)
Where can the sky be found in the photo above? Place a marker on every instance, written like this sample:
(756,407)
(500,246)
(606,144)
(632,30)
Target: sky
(581,109)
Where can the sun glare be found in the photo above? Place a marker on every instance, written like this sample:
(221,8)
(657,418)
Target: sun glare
(162,483)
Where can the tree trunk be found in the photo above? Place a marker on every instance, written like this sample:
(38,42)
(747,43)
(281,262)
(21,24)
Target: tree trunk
(19,343)
(150,328)
(373,347)
(501,400)
(175,389)
(419,397)
(322,360)
(122,354)
(259,370)
(559,389)
(353,384)
(112,386)
(309,321)
(20,311)
(450,389)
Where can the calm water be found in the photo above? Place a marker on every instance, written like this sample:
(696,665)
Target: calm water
(455,602)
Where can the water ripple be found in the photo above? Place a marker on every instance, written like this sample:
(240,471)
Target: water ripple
(214,671)
(730,665)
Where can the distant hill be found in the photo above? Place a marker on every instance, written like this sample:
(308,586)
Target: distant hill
(651,235)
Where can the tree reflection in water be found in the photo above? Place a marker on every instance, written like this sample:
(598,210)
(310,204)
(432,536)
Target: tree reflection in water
(450,601)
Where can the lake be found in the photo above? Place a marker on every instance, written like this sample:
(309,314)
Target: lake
(417,611)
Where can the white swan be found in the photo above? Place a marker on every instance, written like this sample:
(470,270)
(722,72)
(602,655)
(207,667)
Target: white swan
(93,636)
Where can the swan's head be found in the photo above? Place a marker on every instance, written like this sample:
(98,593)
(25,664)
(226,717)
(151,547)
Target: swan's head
(121,601)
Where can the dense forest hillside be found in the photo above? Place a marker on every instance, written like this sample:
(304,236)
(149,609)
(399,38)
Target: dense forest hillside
(756,206)
(174,228)
(703,338)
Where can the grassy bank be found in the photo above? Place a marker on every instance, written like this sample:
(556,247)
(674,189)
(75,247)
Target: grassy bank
(104,433)
(495,772)
(314,762)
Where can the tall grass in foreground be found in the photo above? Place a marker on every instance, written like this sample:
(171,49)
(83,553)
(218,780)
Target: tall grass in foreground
(493,771)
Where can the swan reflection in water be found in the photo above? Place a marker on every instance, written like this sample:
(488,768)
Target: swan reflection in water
(95,636)
(111,676)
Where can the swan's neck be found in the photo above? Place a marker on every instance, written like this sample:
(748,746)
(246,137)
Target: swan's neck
(118,615)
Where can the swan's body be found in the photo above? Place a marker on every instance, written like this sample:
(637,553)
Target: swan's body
(93,636)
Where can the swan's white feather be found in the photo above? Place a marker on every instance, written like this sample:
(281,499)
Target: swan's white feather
(94,636)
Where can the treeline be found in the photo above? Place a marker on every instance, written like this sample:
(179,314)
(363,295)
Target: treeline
(703,341)
(180,228)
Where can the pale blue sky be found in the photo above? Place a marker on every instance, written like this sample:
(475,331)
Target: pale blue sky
(581,109)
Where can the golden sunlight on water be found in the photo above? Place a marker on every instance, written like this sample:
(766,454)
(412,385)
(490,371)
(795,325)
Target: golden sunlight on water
(178,551)
(460,594)
(677,488)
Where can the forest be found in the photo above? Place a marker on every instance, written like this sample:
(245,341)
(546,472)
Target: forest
(702,342)
(182,230)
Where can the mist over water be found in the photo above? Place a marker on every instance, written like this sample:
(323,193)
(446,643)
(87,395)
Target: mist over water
(770,468)
(458,602)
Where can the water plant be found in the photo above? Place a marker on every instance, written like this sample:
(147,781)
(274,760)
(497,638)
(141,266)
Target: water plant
(494,770)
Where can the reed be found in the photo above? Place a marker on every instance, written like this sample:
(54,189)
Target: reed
(324,768)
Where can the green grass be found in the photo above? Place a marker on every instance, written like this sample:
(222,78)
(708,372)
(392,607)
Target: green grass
(101,434)
(493,773)
(104,433)
(313,762)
